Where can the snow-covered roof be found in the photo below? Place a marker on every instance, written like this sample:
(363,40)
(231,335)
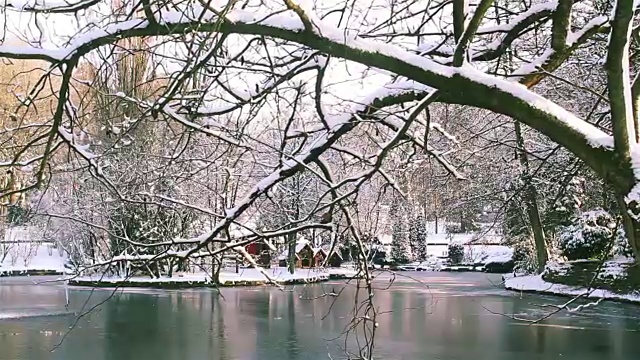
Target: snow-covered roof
(327,250)
(238,231)
(300,244)
(385,239)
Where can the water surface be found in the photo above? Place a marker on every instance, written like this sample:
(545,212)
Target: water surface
(440,316)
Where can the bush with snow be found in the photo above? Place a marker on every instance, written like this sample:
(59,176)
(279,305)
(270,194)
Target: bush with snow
(621,246)
(590,235)
(456,253)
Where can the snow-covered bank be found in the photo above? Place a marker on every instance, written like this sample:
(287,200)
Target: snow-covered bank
(31,258)
(280,274)
(487,258)
(245,277)
(535,284)
(342,273)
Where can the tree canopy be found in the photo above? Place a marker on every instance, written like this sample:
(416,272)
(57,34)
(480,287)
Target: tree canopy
(242,95)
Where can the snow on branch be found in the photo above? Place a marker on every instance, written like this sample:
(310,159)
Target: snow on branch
(288,26)
(573,39)
(536,11)
(50,6)
(465,84)
(311,62)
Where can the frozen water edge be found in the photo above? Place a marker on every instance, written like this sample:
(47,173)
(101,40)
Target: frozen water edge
(245,277)
(535,284)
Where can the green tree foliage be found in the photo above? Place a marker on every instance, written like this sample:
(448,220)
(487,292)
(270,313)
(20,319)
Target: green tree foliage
(400,244)
(17,215)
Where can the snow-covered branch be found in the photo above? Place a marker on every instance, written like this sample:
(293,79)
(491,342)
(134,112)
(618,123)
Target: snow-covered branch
(50,6)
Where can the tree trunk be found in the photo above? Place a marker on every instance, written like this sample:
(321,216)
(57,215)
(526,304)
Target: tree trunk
(216,267)
(531,200)
(631,227)
(436,219)
(536,227)
(291,255)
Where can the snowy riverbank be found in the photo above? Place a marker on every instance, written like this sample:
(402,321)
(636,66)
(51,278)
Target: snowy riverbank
(245,277)
(536,284)
(32,259)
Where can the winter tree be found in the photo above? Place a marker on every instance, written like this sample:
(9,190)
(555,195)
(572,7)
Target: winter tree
(449,59)
(400,242)
(418,237)
(248,94)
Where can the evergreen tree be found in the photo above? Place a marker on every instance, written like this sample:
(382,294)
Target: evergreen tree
(516,225)
(567,207)
(418,238)
(400,245)
(17,215)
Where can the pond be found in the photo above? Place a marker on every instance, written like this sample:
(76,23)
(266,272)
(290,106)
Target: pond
(440,316)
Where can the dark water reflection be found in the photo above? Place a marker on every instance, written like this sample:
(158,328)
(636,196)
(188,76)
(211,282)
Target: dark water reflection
(452,318)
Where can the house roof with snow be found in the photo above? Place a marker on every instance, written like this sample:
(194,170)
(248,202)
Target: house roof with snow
(238,231)
(385,239)
(300,244)
(327,250)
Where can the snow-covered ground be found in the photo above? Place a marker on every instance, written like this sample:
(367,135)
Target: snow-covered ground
(486,254)
(278,274)
(433,263)
(438,242)
(190,277)
(25,257)
(535,283)
(342,271)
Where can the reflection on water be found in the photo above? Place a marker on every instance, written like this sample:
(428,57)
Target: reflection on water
(447,316)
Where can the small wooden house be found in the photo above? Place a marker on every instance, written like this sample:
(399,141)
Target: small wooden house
(257,248)
(319,256)
(307,256)
(304,255)
(323,256)
(335,259)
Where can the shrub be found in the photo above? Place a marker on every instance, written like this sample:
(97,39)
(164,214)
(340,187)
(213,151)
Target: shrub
(524,256)
(456,253)
(453,229)
(621,246)
(589,236)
